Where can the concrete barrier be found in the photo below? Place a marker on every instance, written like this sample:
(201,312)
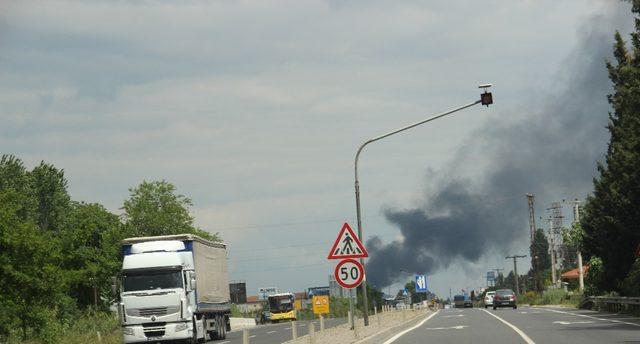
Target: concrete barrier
(242,323)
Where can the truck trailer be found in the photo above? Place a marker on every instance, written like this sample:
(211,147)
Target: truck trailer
(173,288)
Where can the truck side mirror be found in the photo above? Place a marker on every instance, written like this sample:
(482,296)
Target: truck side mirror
(193,282)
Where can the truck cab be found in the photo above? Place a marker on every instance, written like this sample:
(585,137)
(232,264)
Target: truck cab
(159,286)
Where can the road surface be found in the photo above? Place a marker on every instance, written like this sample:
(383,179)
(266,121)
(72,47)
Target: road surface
(522,325)
(276,333)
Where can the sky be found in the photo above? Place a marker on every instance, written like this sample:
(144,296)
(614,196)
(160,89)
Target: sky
(255,109)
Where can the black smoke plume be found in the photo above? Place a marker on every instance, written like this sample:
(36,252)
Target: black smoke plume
(551,152)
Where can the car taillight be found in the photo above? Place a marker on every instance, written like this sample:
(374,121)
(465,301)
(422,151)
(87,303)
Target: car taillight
(496,297)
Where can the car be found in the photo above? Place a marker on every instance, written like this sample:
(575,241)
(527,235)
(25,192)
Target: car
(488,298)
(505,298)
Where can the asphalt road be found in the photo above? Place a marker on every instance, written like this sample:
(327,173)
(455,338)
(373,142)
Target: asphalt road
(522,325)
(276,333)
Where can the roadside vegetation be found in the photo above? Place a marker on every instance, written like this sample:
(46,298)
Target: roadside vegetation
(57,255)
(607,234)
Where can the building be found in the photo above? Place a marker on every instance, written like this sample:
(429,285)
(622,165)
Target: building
(252,305)
(335,290)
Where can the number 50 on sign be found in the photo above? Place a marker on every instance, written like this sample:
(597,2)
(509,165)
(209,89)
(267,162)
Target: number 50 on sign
(349,273)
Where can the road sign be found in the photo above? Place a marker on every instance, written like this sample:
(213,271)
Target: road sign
(638,251)
(264,293)
(320,304)
(347,245)
(349,273)
(421,284)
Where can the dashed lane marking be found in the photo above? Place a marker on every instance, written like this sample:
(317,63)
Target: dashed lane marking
(459,327)
(590,317)
(272,332)
(398,335)
(573,322)
(452,316)
(513,327)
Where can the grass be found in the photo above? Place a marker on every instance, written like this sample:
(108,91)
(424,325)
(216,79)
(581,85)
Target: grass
(83,330)
(550,297)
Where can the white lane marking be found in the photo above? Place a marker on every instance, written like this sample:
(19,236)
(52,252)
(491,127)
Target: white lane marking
(226,341)
(573,322)
(590,317)
(459,327)
(272,332)
(398,335)
(518,331)
(287,328)
(452,316)
(252,336)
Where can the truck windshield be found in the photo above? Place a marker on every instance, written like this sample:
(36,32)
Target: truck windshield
(150,280)
(281,304)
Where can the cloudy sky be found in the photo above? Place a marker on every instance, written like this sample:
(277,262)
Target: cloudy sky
(254,109)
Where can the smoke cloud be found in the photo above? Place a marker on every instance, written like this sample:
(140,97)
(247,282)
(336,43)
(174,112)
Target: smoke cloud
(551,152)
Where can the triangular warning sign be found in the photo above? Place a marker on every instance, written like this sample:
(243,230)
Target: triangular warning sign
(347,245)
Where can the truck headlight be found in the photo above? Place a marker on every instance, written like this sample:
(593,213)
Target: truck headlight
(181,327)
(128,331)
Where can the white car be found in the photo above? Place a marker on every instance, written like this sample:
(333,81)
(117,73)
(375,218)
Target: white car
(488,299)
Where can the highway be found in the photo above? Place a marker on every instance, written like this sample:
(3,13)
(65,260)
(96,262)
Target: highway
(276,333)
(522,325)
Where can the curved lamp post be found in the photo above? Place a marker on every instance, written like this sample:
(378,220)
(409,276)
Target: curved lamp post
(485,99)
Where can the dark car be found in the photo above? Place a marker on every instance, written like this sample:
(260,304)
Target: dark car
(505,298)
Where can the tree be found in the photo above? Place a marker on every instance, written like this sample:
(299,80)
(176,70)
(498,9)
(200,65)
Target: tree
(154,208)
(540,259)
(91,241)
(32,284)
(611,214)
(53,201)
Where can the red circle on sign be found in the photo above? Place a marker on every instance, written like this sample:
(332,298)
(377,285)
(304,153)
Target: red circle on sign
(358,280)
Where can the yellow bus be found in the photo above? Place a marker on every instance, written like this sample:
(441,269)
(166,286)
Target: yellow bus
(282,307)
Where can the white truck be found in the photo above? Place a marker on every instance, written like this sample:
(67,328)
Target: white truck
(173,288)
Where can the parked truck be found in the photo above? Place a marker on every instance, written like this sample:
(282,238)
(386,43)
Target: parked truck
(173,288)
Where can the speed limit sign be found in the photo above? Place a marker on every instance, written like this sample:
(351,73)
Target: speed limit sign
(349,273)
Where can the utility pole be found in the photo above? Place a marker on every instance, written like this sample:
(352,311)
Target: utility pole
(552,250)
(532,216)
(515,270)
(576,220)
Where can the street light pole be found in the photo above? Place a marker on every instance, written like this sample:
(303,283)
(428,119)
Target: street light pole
(485,99)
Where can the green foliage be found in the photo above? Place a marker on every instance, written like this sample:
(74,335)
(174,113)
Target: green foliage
(57,255)
(631,284)
(154,208)
(611,215)
(374,296)
(594,277)
(92,245)
(338,307)
(540,259)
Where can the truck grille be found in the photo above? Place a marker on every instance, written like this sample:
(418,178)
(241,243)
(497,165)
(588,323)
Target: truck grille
(157,311)
(154,329)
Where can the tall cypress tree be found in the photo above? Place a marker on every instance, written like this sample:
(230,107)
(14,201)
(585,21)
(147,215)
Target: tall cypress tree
(612,214)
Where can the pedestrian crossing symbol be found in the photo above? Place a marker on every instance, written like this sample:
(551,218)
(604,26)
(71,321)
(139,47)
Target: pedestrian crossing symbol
(347,245)
(421,284)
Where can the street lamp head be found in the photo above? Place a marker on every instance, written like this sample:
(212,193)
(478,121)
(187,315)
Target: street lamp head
(486,98)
